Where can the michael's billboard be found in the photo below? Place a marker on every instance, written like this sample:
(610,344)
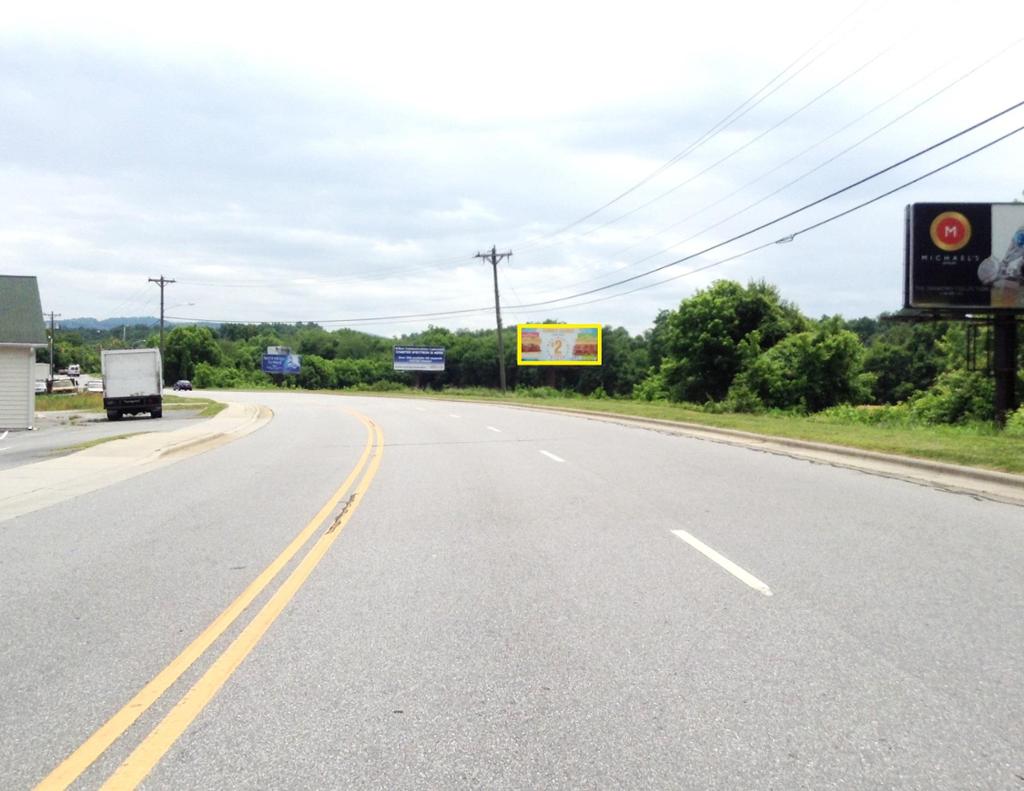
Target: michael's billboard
(964,256)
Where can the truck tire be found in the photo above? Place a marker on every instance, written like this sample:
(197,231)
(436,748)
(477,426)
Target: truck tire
(113,414)
(157,413)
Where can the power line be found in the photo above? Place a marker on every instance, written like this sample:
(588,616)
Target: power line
(788,238)
(739,149)
(362,277)
(823,164)
(724,123)
(792,236)
(806,206)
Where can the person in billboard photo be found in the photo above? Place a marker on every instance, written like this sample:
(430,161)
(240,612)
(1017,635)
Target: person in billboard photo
(1005,274)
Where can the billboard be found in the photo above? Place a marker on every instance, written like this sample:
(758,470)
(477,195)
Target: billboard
(558,344)
(418,358)
(281,364)
(964,256)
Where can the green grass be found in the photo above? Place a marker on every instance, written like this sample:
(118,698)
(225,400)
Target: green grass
(93,402)
(59,402)
(209,406)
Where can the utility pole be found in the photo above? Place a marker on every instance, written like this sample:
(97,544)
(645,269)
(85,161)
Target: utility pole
(493,257)
(52,316)
(161,281)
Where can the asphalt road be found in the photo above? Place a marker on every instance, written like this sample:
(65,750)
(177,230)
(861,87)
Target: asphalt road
(512,600)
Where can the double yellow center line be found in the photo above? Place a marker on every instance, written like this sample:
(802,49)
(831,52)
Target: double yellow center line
(142,760)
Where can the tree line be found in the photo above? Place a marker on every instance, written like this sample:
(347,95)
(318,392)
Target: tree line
(728,347)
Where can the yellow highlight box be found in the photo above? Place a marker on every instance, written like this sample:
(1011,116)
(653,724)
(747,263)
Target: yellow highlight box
(558,344)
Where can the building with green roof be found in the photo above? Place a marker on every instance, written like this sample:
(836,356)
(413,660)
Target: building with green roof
(22,331)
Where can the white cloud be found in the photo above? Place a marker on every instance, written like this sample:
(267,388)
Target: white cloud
(332,160)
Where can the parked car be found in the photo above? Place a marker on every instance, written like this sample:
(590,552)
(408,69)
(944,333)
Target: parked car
(40,386)
(63,385)
(94,386)
(183,384)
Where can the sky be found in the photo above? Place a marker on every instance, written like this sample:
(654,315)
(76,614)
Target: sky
(345,163)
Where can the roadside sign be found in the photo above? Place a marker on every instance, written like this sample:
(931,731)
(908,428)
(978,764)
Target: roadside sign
(965,256)
(558,344)
(418,358)
(281,364)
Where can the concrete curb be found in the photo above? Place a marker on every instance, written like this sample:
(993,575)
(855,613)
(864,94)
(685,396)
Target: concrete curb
(31,487)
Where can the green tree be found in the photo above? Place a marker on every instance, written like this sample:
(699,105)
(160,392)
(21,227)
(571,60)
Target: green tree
(316,373)
(623,365)
(185,347)
(704,347)
(809,371)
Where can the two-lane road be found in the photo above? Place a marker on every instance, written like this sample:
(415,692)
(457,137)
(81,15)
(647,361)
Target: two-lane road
(392,593)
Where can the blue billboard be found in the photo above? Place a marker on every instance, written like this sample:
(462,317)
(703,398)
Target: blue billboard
(419,358)
(281,364)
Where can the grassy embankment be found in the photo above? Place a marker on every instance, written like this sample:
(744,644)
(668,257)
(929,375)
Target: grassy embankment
(93,402)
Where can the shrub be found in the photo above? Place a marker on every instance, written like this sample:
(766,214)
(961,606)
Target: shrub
(1015,423)
(886,415)
(807,371)
(652,388)
(958,396)
(742,398)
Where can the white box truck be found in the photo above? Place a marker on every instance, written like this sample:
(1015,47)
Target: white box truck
(133,382)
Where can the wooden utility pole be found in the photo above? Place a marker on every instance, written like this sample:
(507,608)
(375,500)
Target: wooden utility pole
(52,316)
(161,281)
(493,257)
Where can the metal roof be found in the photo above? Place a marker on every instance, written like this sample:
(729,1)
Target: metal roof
(21,312)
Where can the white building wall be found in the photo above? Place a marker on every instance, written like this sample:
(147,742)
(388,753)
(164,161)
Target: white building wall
(17,387)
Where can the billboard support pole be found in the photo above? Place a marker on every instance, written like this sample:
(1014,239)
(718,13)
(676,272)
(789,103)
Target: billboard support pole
(1005,366)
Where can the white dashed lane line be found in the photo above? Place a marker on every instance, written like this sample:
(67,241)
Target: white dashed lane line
(495,430)
(452,414)
(552,456)
(741,574)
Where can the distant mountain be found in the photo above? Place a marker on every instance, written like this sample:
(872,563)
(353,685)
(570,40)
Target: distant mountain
(110,324)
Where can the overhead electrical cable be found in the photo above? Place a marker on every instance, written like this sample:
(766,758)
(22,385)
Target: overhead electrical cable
(830,136)
(788,238)
(784,240)
(756,98)
(814,226)
(739,149)
(377,275)
(135,298)
(813,203)
(819,166)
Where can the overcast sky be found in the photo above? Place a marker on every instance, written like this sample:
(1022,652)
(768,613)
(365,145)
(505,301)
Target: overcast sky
(327,162)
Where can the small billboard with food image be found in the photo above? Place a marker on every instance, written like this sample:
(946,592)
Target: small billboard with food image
(558,344)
